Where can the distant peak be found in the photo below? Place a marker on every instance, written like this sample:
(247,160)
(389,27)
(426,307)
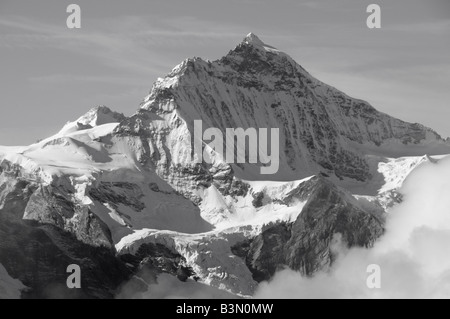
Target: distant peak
(100,109)
(253,39)
(100,115)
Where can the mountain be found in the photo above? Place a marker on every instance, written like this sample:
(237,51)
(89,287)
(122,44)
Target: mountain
(125,198)
(321,128)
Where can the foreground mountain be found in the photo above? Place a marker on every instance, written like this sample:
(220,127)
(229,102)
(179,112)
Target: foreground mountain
(124,198)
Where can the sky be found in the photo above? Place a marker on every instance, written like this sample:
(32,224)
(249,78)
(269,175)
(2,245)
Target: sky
(50,74)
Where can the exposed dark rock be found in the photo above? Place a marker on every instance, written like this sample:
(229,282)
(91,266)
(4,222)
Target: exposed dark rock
(258,199)
(157,259)
(118,193)
(39,254)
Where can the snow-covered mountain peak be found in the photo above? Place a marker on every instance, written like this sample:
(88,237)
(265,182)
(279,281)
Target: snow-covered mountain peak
(253,39)
(255,85)
(97,116)
(100,115)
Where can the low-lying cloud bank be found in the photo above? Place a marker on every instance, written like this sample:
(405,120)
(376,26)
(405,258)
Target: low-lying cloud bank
(169,287)
(413,255)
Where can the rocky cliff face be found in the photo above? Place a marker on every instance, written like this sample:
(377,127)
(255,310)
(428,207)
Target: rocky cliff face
(37,250)
(306,244)
(123,195)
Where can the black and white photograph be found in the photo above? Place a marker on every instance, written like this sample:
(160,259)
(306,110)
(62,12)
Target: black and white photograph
(239,151)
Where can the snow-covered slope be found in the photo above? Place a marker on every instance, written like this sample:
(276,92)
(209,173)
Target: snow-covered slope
(132,184)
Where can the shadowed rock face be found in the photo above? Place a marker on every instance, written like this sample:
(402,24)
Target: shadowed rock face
(38,254)
(53,205)
(305,245)
(150,261)
(37,245)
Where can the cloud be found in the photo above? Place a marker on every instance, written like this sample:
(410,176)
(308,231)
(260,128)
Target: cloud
(413,254)
(169,287)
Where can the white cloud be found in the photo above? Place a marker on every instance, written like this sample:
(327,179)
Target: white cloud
(413,254)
